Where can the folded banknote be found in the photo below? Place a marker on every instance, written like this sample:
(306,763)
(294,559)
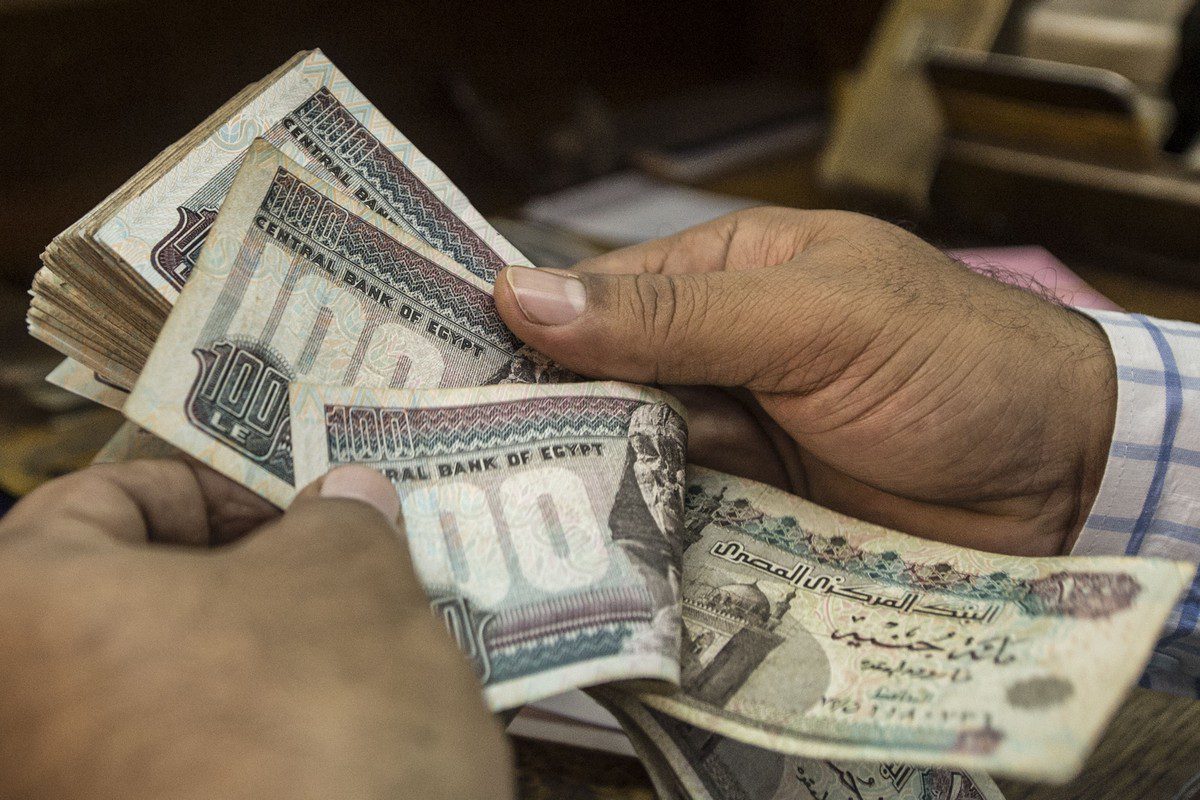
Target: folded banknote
(544,521)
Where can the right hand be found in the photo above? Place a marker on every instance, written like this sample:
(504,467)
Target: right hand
(894,384)
(299,661)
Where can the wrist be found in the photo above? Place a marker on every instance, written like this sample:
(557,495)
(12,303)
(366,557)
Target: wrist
(1096,401)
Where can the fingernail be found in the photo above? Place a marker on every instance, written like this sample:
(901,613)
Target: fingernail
(354,482)
(546,297)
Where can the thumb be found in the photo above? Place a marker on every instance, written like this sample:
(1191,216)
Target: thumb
(356,482)
(347,522)
(715,328)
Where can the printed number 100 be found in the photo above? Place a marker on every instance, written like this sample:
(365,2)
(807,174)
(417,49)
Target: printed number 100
(552,534)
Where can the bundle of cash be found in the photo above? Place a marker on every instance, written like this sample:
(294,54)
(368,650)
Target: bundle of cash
(109,281)
(804,632)
(300,281)
(293,287)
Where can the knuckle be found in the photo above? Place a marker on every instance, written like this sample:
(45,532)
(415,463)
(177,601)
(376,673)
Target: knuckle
(671,311)
(666,306)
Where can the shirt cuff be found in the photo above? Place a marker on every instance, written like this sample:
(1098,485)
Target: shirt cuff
(1149,498)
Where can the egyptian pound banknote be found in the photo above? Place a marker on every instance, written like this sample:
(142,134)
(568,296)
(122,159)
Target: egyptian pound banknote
(311,112)
(544,521)
(300,281)
(813,634)
(688,762)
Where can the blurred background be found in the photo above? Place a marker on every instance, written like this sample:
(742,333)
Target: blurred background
(1049,142)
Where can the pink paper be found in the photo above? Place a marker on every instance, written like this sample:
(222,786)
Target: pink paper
(1030,265)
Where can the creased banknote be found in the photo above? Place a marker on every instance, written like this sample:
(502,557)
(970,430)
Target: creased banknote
(318,118)
(543,521)
(810,633)
(299,281)
(689,762)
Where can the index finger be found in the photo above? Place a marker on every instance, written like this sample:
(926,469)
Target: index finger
(754,238)
(170,500)
(699,249)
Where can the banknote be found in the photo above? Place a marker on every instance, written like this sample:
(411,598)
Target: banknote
(299,281)
(318,118)
(690,762)
(78,379)
(810,633)
(543,520)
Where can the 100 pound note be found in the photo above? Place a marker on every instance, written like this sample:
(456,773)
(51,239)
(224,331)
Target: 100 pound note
(543,521)
(299,281)
(810,633)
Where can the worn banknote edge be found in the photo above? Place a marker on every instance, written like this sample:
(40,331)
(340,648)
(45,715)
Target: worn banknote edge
(79,380)
(494,393)
(628,709)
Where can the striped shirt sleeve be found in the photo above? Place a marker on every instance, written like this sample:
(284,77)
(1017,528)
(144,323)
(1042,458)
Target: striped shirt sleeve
(1149,499)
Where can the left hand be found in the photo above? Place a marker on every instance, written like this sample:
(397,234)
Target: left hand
(301,661)
(911,392)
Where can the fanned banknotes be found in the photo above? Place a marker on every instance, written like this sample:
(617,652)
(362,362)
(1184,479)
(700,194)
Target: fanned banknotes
(688,762)
(299,281)
(543,521)
(810,633)
(109,280)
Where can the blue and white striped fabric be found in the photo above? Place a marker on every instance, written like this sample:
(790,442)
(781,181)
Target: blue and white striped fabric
(1149,500)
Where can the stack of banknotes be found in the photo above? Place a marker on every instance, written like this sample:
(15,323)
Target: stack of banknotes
(293,286)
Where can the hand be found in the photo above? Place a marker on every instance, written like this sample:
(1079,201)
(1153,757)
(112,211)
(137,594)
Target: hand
(301,661)
(910,391)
